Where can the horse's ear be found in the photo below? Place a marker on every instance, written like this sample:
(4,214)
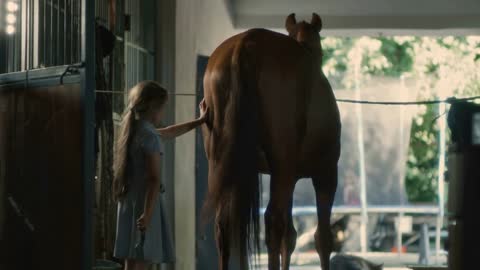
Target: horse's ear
(316,22)
(290,23)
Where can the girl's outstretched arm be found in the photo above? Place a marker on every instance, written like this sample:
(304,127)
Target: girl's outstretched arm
(174,131)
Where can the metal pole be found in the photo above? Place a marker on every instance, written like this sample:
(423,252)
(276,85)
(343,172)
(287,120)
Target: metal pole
(402,154)
(88,87)
(50,45)
(424,245)
(44,34)
(65,32)
(399,233)
(404,139)
(361,150)
(57,44)
(72,26)
(441,179)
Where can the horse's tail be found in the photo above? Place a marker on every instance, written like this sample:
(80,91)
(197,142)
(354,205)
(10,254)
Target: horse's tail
(234,188)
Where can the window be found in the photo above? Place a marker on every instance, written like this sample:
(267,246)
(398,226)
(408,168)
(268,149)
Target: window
(39,33)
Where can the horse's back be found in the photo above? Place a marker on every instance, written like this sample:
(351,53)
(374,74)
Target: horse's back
(273,64)
(262,51)
(294,98)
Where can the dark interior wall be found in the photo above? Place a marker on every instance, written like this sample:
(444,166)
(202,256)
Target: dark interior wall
(41,153)
(5,102)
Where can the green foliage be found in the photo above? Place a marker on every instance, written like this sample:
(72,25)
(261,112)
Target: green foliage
(442,67)
(422,159)
(335,52)
(400,56)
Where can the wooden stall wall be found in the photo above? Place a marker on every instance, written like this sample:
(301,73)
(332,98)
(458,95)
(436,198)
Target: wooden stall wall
(41,177)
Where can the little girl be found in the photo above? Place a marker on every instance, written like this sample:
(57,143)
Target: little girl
(142,235)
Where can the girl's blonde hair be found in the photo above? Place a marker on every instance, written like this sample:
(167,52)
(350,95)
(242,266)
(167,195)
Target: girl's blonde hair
(141,99)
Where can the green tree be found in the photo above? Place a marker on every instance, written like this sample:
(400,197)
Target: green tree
(443,67)
(422,161)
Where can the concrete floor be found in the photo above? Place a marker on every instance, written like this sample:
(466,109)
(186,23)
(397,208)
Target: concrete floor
(391,261)
(314,267)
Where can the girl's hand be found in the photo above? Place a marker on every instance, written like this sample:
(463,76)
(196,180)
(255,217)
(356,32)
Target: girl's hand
(203,110)
(143,222)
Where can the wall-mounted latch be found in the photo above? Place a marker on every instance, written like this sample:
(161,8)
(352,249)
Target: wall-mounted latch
(72,69)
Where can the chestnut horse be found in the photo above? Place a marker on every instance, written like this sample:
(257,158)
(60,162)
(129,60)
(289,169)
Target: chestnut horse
(271,110)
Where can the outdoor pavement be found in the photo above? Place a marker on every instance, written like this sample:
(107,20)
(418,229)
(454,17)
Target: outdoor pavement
(318,268)
(391,261)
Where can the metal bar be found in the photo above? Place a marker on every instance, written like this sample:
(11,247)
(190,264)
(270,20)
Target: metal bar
(25,10)
(127,73)
(27,34)
(403,147)
(9,54)
(424,245)
(36,31)
(31,34)
(80,28)
(70,53)
(375,209)
(23,53)
(16,42)
(401,176)
(2,60)
(65,32)
(51,34)
(139,77)
(57,54)
(399,233)
(24,35)
(112,23)
(2,49)
(361,150)
(87,49)
(441,179)
(74,40)
(44,33)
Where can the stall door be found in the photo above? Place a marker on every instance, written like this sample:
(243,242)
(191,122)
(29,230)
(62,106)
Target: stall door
(46,136)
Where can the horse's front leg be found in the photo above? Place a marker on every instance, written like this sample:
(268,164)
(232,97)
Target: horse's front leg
(325,185)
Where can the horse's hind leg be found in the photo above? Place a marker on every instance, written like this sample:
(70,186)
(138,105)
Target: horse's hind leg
(325,184)
(223,242)
(289,239)
(277,221)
